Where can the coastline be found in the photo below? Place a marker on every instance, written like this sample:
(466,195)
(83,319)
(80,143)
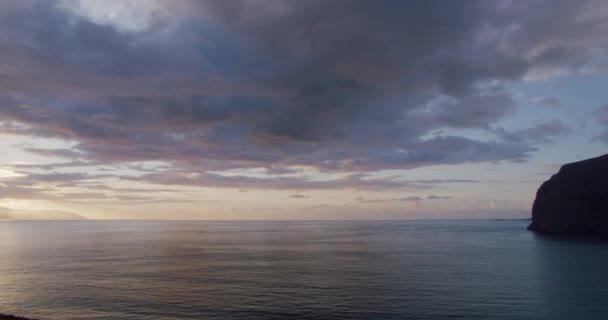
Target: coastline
(12,317)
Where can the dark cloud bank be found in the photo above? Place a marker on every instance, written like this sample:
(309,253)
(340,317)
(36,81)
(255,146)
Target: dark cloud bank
(353,86)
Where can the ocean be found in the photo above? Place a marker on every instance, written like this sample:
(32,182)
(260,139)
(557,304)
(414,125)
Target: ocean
(298,270)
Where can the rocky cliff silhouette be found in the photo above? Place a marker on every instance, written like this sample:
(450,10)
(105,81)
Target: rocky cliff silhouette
(574,202)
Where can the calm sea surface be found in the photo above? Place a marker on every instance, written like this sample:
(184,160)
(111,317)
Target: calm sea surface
(298,270)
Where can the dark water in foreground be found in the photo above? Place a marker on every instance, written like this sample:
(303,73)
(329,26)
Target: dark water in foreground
(298,270)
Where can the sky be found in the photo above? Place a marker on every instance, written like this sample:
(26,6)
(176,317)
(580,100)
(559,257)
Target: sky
(289,109)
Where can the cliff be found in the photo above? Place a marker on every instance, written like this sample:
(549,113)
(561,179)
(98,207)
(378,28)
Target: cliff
(574,202)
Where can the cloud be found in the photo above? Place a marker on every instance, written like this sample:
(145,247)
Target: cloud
(33,178)
(413,199)
(54,166)
(298,196)
(547,102)
(342,86)
(58,153)
(601,116)
(473,111)
(16,191)
(281,170)
(83,188)
(541,133)
(207,179)
(434,197)
(438,181)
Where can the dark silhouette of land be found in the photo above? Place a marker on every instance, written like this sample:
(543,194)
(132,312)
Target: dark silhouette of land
(15,214)
(574,202)
(11,317)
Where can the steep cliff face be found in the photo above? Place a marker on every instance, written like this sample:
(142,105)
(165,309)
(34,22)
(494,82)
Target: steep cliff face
(574,201)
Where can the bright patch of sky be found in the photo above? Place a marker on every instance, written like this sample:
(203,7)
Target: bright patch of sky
(124,15)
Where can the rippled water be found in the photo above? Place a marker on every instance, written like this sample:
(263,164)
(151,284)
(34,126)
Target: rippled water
(298,270)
